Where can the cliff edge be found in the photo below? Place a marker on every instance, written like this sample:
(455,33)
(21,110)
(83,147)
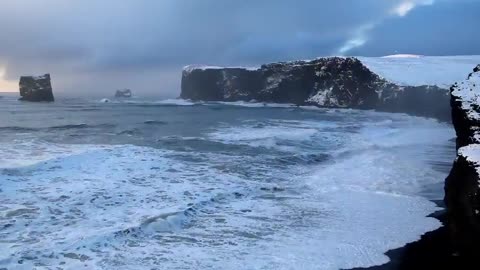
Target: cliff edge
(326,82)
(462,191)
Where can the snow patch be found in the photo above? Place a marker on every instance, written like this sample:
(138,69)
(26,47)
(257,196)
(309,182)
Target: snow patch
(468,93)
(323,98)
(442,71)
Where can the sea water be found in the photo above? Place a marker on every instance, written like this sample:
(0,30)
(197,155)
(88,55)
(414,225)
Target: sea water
(174,184)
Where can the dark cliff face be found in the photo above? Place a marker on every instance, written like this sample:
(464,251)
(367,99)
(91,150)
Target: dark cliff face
(326,82)
(36,88)
(462,191)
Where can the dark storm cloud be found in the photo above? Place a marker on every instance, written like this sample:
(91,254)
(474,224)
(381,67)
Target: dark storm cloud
(85,42)
(446,28)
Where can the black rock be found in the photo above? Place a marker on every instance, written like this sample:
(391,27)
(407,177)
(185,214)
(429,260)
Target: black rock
(123,93)
(36,88)
(326,82)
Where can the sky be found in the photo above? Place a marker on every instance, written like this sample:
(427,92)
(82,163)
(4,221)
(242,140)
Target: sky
(93,47)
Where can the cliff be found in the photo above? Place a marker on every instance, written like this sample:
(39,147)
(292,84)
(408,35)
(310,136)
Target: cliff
(462,191)
(36,88)
(326,82)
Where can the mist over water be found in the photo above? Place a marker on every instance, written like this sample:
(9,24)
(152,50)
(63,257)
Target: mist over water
(152,184)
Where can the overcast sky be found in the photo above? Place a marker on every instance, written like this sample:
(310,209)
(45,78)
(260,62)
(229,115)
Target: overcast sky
(94,47)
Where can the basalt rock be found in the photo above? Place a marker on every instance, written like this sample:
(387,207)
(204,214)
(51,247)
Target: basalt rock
(326,82)
(462,191)
(36,88)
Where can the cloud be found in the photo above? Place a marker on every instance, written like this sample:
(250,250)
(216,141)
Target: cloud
(446,28)
(403,8)
(361,35)
(100,45)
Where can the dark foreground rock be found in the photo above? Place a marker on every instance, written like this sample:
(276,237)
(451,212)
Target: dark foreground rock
(36,88)
(123,93)
(462,191)
(326,82)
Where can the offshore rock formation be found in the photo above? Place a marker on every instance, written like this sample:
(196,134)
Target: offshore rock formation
(123,93)
(36,88)
(326,82)
(462,191)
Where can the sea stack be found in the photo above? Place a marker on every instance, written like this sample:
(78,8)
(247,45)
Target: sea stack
(462,190)
(123,93)
(36,88)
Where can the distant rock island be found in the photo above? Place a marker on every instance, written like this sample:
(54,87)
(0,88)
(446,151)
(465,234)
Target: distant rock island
(123,93)
(326,82)
(36,88)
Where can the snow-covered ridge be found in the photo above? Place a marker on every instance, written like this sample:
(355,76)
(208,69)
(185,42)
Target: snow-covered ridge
(471,153)
(462,187)
(190,68)
(467,93)
(416,70)
(466,100)
(402,69)
(42,77)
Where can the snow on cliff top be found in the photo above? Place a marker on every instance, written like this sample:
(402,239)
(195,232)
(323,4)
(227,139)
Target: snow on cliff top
(405,69)
(472,153)
(468,92)
(415,70)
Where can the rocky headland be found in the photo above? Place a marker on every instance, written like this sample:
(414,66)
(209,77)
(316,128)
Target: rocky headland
(36,88)
(336,82)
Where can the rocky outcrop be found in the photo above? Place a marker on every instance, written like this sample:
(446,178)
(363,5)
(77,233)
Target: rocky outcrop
(326,82)
(462,191)
(36,88)
(123,93)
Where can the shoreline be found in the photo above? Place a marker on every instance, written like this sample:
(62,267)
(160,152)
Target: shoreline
(433,251)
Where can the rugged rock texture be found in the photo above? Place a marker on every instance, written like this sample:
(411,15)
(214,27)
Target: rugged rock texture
(123,93)
(462,191)
(36,88)
(327,82)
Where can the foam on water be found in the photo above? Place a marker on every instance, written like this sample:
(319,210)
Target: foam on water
(21,153)
(134,207)
(166,102)
(83,199)
(272,133)
(442,71)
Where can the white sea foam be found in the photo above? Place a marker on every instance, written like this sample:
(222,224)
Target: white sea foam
(22,153)
(172,102)
(253,104)
(132,207)
(177,102)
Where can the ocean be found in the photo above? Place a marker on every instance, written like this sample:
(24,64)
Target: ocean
(174,184)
